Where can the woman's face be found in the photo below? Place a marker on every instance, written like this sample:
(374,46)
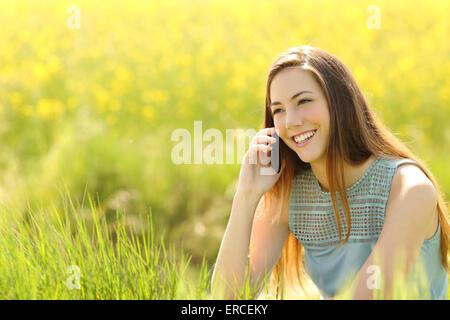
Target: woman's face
(300,113)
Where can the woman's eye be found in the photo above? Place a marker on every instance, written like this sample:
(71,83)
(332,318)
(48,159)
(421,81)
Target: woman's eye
(276,111)
(303,101)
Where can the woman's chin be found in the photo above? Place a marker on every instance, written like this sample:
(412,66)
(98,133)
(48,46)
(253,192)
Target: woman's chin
(308,157)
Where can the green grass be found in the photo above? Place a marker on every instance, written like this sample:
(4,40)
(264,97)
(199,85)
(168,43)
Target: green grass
(113,262)
(77,253)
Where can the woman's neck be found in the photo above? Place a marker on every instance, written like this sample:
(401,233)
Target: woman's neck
(351,173)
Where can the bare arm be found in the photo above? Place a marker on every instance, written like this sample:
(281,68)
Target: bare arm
(229,271)
(243,231)
(249,243)
(410,212)
(266,245)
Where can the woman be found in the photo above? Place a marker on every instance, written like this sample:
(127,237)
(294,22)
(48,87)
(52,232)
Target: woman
(352,207)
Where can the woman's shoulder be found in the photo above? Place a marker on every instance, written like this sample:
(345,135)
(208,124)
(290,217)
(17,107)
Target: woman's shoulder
(413,192)
(408,176)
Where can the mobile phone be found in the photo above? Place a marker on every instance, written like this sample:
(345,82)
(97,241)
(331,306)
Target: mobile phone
(275,154)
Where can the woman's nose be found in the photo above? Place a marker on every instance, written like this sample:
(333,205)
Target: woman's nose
(293,119)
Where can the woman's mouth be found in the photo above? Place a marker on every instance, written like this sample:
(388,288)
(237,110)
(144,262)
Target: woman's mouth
(304,138)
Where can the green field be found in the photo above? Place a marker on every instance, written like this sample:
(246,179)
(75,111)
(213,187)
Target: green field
(88,107)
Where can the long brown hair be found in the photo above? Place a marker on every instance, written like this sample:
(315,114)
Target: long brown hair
(355,134)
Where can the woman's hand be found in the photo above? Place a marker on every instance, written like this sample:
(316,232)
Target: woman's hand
(257,176)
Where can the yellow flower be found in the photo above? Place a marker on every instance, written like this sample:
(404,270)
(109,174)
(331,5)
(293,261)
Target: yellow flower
(101,96)
(48,108)
(44,108)
(148,112)
(53,64)
(40,72)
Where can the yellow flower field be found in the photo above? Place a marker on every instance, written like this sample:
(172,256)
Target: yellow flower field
(91,91)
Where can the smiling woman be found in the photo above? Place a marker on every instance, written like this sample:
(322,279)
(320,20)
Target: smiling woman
(302,118)
(343,173)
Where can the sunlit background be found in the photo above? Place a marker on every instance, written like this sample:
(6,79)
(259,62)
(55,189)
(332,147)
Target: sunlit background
(91,91)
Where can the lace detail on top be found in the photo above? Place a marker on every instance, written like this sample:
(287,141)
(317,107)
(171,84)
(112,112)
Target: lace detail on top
(312,219)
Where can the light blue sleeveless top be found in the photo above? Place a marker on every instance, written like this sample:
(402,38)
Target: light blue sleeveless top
(313,223)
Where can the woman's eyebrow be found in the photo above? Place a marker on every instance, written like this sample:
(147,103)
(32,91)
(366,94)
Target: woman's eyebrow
(292,98)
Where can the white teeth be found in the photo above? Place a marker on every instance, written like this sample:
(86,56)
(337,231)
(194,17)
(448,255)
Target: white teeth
(304,136)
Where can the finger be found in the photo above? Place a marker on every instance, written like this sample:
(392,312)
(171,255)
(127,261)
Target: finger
(263,139)
(264,158)
(253,152)
(266,131)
